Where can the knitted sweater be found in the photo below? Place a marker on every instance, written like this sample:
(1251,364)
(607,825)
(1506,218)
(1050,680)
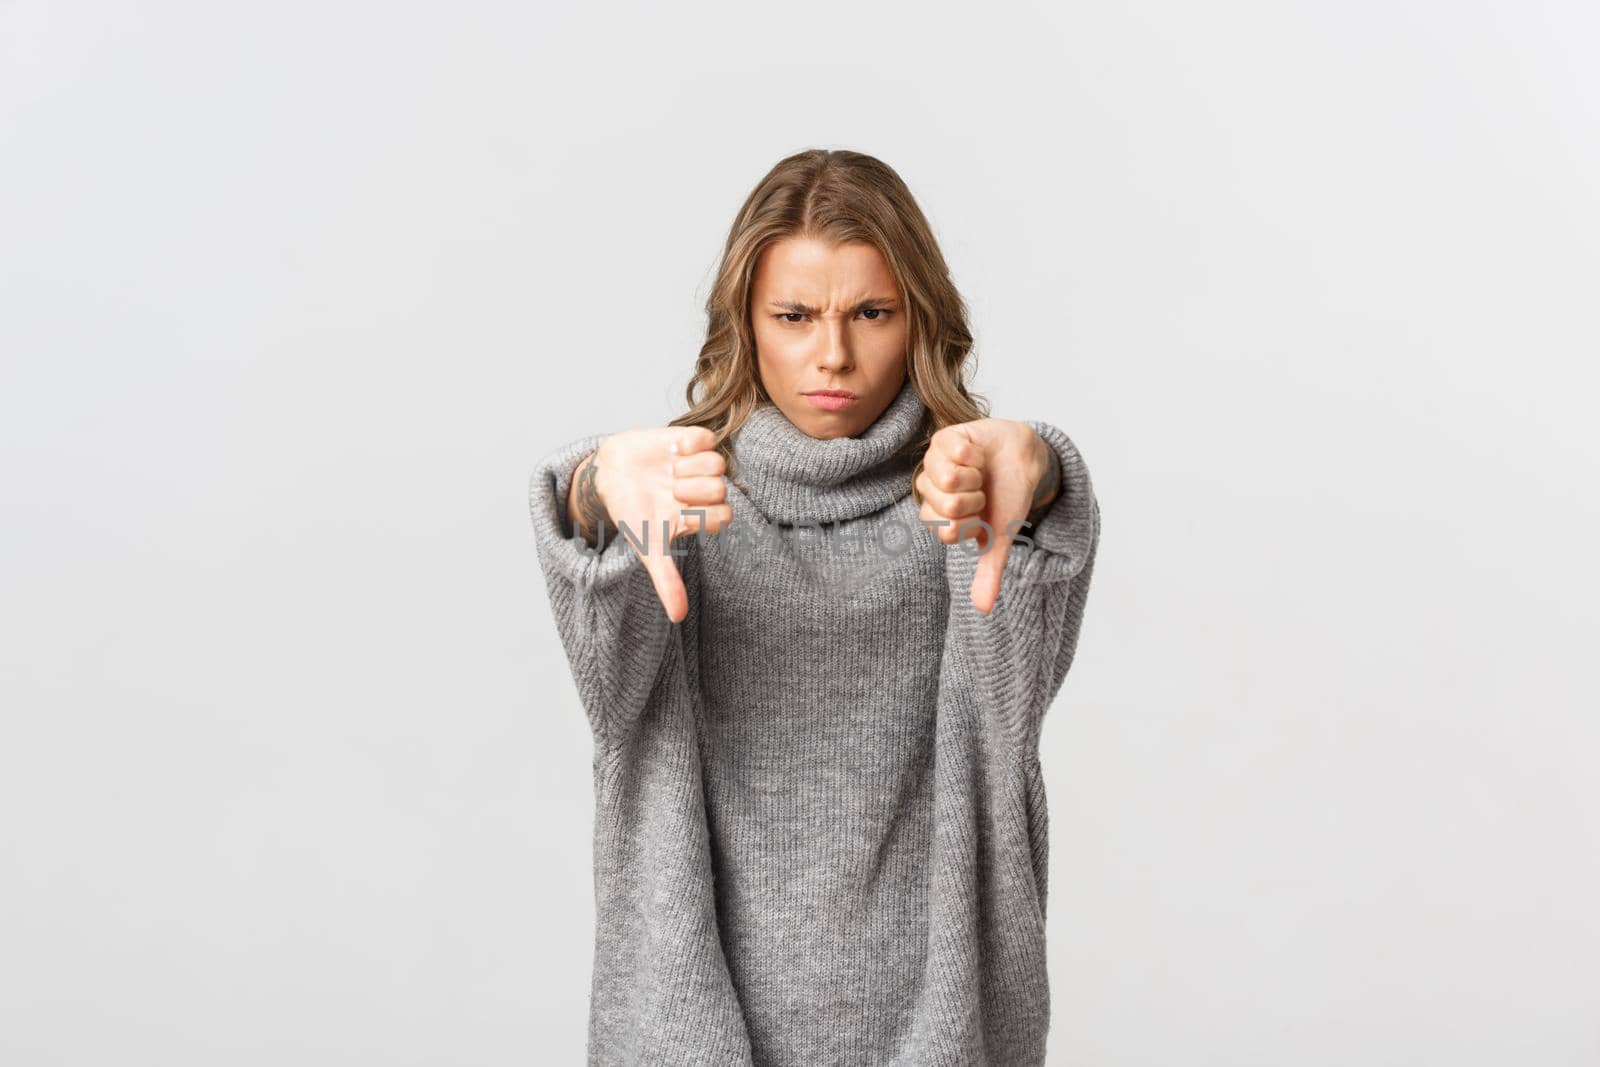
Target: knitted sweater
(820,827)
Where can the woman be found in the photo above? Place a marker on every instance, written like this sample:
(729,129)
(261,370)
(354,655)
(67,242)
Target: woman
(820,826)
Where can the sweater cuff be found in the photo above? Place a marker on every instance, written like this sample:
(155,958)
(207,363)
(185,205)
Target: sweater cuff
(569,555)
(1069,526)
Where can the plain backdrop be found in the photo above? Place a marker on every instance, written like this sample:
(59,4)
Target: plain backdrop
(293,296)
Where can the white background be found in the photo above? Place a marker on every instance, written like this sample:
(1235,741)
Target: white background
(293,295)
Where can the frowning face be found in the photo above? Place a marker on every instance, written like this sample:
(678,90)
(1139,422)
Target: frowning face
(830,333)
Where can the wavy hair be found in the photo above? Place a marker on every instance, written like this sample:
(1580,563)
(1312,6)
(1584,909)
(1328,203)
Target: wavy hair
(836,196)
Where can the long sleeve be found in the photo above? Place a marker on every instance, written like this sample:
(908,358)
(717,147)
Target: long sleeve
(610,620)
(1024,647)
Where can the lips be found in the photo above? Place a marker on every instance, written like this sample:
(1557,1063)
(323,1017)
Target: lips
(831,399)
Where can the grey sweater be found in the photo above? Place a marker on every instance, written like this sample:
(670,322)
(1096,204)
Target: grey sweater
(820,828)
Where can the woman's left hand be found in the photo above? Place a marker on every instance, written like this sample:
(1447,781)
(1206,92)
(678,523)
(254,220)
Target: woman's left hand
(982,480)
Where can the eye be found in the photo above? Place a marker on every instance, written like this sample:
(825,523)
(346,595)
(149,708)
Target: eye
(873,315)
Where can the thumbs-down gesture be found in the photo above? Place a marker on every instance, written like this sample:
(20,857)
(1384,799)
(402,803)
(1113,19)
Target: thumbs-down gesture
(982,480)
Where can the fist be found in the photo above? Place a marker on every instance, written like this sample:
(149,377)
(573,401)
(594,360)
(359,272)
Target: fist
(644,478)
(984,473)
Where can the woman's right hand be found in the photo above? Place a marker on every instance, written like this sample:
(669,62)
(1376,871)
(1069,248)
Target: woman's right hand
(644,477)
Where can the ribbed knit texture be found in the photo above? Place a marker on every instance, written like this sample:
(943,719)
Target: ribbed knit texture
(820,831)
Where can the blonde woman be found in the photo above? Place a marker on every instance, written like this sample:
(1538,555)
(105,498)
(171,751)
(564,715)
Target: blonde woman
(815,622)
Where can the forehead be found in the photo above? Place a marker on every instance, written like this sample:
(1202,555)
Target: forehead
(801,266)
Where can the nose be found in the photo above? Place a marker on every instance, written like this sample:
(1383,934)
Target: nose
(835,354)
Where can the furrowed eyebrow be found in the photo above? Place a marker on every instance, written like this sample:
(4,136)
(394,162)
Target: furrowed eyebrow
(806,309)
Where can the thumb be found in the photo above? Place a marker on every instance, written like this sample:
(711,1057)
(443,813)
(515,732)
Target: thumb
(991,567)
(668,583)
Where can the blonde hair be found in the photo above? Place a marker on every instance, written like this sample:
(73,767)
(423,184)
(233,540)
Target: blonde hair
(835,196)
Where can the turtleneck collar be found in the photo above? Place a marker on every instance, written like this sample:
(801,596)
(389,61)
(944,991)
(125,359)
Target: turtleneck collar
(793,477)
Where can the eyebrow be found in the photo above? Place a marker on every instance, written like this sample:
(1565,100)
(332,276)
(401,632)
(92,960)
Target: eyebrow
(806,309)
